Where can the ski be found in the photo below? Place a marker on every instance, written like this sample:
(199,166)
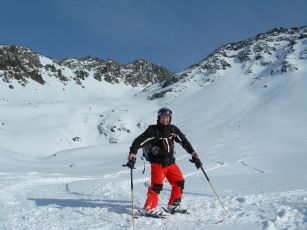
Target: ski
(173,212)
(157,215)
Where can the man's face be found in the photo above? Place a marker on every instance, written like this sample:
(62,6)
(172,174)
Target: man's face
(164,119)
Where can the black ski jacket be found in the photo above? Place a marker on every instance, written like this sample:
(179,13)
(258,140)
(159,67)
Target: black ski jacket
(162,136)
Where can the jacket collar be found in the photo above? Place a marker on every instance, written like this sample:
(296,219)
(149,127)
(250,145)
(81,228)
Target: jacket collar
(164,128)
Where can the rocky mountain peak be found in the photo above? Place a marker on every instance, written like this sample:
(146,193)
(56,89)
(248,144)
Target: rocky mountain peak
(23,65)
(20,64)
(264,49)
(270,53)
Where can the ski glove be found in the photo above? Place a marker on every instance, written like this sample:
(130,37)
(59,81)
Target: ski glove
(130,164)
(196,161)
(194,154)
(131,157)
(131,161)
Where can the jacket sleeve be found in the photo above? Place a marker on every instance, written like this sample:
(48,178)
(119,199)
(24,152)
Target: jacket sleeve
(145,138)
(183,141)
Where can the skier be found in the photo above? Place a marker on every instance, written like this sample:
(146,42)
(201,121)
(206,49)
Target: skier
(161,137)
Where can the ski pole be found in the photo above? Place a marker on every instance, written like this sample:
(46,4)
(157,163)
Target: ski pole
(212,188)
(198,165)
(130,164)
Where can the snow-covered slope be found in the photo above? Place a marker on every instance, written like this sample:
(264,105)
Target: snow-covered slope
(60,160)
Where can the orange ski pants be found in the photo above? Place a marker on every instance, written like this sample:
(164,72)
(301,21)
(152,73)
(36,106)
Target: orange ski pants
(174,176)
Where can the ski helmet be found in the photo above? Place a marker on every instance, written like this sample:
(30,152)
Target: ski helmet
(165,111)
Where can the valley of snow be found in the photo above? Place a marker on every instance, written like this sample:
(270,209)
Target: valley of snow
(61,153)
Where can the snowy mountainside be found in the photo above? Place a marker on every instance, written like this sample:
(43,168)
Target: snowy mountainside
(270,54)
(61,158)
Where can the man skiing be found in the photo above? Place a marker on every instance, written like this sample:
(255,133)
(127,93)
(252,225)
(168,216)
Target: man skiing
(161,137)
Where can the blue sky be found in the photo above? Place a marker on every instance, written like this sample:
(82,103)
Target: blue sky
(173,33)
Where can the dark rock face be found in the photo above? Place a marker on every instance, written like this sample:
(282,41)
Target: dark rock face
(22,65)
(160,94)
(19,64)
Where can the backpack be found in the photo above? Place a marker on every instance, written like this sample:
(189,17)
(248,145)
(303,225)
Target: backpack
(149,150)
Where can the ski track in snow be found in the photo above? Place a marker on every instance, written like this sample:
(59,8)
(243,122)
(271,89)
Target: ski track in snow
(242,161)
(232,131)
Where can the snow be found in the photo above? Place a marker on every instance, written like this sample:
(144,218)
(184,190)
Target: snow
(45,61)
(251,139)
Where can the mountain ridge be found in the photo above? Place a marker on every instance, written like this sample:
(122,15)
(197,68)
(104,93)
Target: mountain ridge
(23,65)
(267,54)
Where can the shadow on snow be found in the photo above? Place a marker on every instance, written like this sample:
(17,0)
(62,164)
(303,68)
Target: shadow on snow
(116,206)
